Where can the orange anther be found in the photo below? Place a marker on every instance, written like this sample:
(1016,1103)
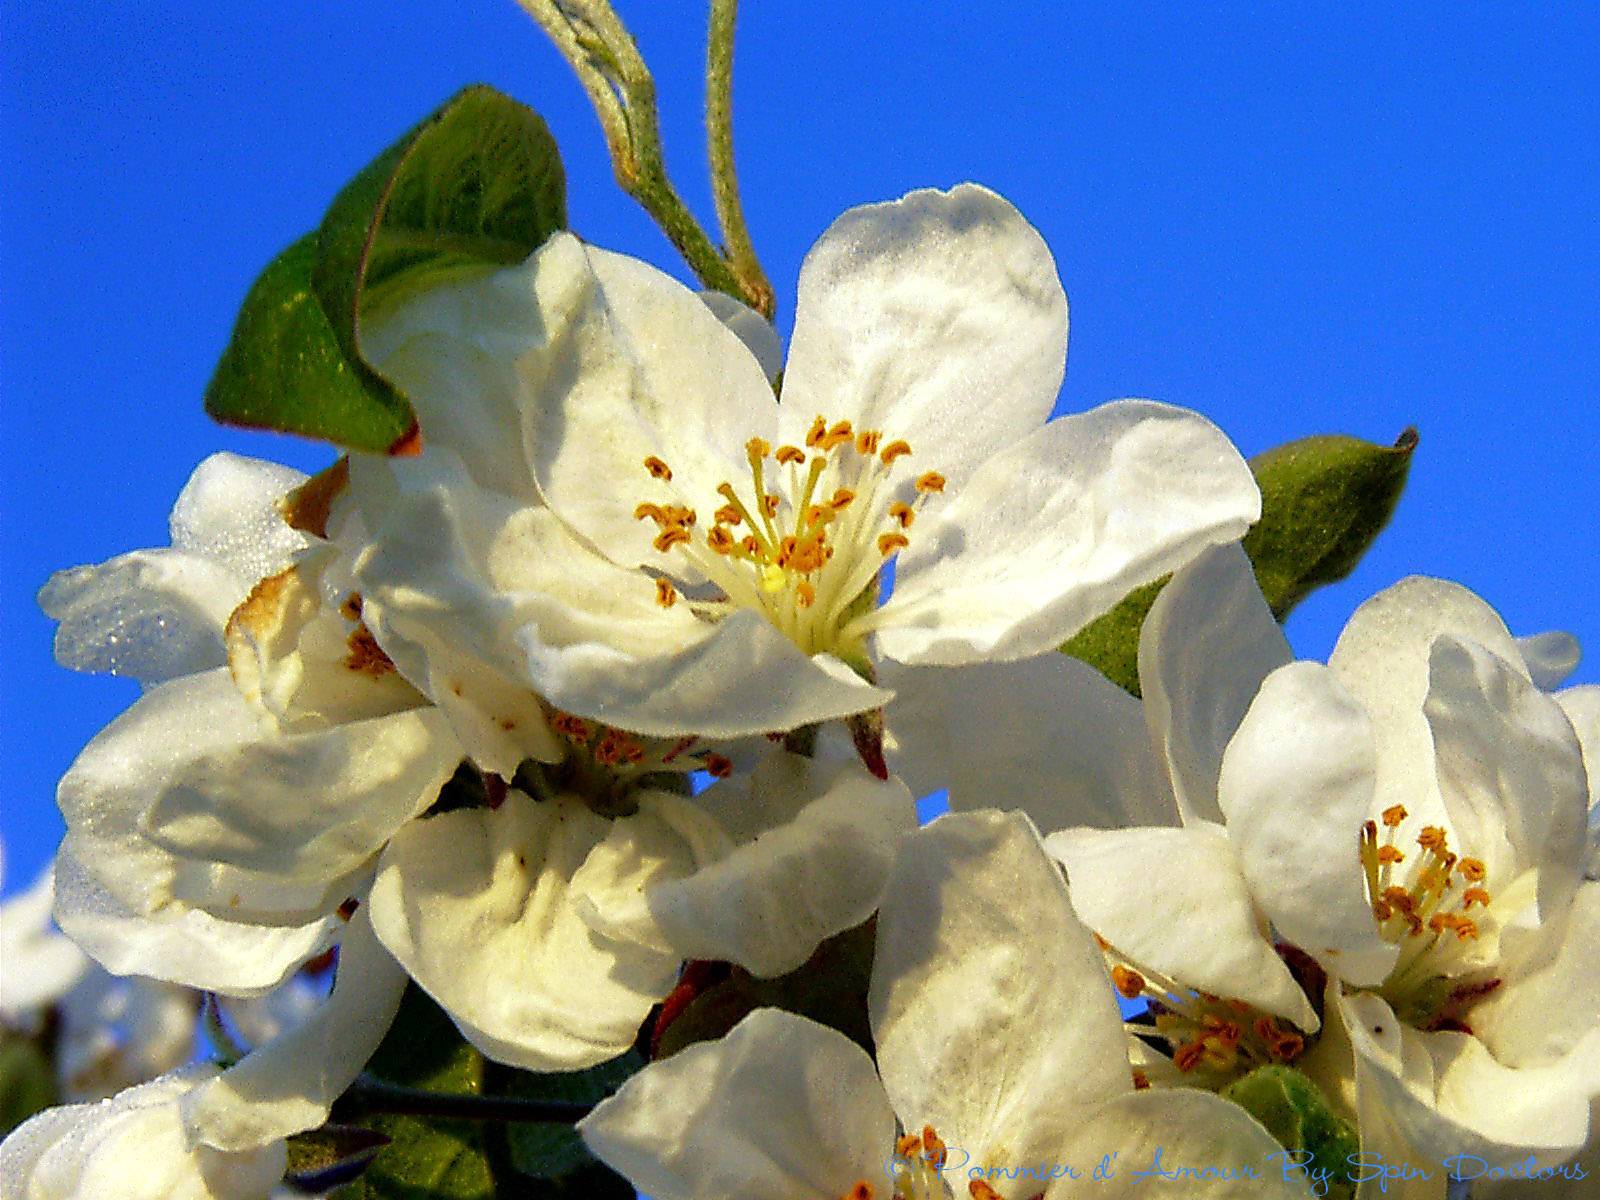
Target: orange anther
(757,448)
(672,535)
(1390,854)
(902,513)
(666,594)
(930,481)
(1472,869)
(1393,815)
(888,543)
(1129,983)
(894,450)
(791,454)
(657,468)
(719,766)
(867,441)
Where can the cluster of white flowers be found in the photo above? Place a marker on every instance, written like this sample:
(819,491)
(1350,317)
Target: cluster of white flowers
(633,665)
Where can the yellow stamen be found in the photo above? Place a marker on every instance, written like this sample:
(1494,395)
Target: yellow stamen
(888,543)
(1390,854)
(720,540)
(791,454)
(818,431)
(1474,895)
(930,481)
(804,594)
(841,499)
(1432,838)
(1472,869)
(867,441)
(728,515)
(895,449)
(672,535)
(1393,815)
(650,512)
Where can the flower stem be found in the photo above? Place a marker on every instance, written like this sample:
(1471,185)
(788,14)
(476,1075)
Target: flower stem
(606,59)
(724,179)
(373,1095)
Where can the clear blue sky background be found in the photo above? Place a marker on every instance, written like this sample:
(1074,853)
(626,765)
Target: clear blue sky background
(1347,218)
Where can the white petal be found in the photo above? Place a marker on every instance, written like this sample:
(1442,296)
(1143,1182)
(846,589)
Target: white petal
(1204,932)
(1539,1014)
(131,1147)
(306,807)
(1056,528)
(631,365)
(989,1001)
(780,1109)
(751,328)
(228,512)
(290,1083)
(768,903)
(1206,645)
(1447,1093)
(1510,768)
(1382,659)
(476,904)
(1048,735)
(1550,657)
(41,964)
(149,614)
(178,943)
(1296,787)
(937,318)
(1167,1139)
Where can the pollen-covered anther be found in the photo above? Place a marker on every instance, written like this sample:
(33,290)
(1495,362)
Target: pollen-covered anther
(908,1144)
(861,1191)
(839,433)
(769,505)
(672,535)
(658,469)
(757,448)
(1394,815)
(1433,838)
(791,455)
(1472,870)
(841,499)
(720,540)
(889,543)
(1129,983)
(616,748)
(569,726)
(1141,1081)
(718,766)
(1474,895)
(867,442)
(728,515)
(902,514)
(647,511)
(930,482)
(895,449)
(933,1147)
(981,1190)
(666,594)
(1391,854)
(1189,1055)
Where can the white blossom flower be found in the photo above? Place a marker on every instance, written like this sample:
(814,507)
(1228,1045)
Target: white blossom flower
(1000,1062)
(611,507)
(548,930)
(215,829)
(131,1146)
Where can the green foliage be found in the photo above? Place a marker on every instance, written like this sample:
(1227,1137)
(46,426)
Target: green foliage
(830,987)
(1324,500)
(1297,1114)
(27,1081)
(432,1158)
(478,185)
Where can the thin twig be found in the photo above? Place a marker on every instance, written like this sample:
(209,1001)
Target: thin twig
(374,1095)
(724,179)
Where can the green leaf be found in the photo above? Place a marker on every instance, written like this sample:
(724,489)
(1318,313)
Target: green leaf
(426,1158)
(1296,1113)
(830,988)
(551,1151)
(27,1081)
(476,186)
(321,1159)
(1324,500)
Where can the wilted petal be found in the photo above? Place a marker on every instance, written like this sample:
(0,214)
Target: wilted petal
(290,1083)
(1205,932)
(780,1109)
(1057,527)
(1205,647)
(477,906)
(1048,735)
(937,318)
(1296,787)
(989,1000)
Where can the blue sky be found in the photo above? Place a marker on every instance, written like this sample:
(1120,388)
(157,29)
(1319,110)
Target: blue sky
(1347,218)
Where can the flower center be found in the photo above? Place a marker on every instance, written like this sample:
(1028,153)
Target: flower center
(1433,904)
(919,1160)
(1210,1038)
(807,537)
(606,766)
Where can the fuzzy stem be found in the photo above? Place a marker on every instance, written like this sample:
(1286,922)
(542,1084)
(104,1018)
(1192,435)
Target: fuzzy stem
(724,178)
